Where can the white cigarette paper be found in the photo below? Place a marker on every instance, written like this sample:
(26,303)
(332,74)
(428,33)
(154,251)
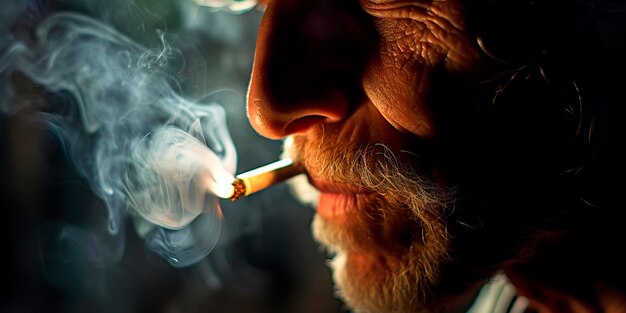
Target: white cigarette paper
(265,176)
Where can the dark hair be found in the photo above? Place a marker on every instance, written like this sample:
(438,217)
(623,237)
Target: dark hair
(540,149)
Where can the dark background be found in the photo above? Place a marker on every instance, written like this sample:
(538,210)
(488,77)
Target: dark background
(265,260)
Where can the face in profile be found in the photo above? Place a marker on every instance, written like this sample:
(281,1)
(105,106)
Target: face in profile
(380,101)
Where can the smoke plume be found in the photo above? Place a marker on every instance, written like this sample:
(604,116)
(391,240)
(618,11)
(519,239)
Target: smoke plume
(145,150)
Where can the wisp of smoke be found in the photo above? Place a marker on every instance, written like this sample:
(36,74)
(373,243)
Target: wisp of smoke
(235,6)
(140,144)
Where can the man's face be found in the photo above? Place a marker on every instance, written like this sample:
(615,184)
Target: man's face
(361,89)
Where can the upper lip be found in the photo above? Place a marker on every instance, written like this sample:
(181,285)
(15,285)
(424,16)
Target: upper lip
(329,186)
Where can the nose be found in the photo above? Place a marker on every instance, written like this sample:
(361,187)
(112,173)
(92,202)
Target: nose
(308,63)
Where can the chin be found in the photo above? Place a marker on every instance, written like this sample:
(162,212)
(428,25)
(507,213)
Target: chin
(382,258)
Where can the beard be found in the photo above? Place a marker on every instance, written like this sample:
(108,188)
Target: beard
(388,252)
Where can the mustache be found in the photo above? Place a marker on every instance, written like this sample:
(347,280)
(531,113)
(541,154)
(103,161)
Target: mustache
(399,177)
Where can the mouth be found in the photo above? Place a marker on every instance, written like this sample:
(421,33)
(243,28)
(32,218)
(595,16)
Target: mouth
(337,200)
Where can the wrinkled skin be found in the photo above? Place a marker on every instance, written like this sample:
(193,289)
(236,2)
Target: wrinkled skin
(429,184)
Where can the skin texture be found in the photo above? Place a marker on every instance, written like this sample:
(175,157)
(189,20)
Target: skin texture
(438,161)
(356,75)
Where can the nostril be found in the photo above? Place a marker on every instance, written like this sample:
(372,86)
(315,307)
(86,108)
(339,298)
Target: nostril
(302,124)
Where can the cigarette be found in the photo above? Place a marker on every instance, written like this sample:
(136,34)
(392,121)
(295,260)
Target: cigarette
(265,176)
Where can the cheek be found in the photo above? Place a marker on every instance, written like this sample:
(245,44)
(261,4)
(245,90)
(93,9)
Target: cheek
(399,94)
(398,81)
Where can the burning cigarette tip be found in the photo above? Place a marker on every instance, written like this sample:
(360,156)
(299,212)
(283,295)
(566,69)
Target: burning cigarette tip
(239,189)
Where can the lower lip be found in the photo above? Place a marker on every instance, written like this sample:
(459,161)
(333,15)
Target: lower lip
(336,205)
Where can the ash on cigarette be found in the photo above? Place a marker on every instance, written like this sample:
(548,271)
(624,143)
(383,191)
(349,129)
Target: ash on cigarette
(239,189)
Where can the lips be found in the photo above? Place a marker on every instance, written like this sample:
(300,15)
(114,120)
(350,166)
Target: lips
(328,186)
(338,199)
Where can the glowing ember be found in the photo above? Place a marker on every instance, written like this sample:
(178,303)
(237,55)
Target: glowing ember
(223,187)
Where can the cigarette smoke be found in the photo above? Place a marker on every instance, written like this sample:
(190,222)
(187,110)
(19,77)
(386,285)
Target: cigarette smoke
(235,6)
(144,149)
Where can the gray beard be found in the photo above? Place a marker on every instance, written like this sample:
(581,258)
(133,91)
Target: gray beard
(390,279)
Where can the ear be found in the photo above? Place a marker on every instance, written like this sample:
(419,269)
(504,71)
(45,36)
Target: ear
(547,299)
